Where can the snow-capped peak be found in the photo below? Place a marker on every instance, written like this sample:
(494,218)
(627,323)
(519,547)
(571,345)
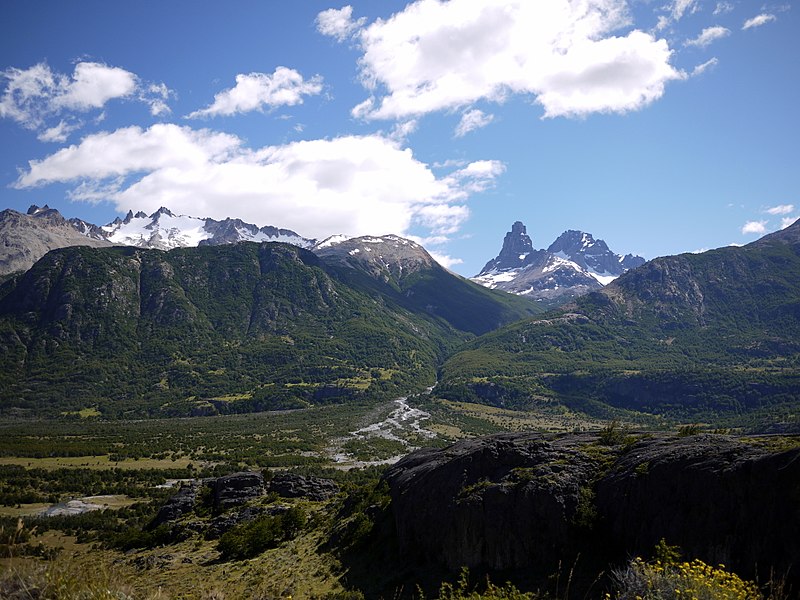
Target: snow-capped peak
(573,264)
(165,230)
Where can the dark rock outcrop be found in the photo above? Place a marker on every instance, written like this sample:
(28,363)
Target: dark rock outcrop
(502,502)
(177,506)
(720,499)
(522,501)
(291,485)
(237,488)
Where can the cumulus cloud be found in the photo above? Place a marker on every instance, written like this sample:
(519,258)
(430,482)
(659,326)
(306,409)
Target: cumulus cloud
(786,221)
(156,96)
(353,184)
(435,56)
(702,68)
(759,20)
(94,84)
(708,35)
(339,23)
(34,97)
(781,209)
(472,120)
(256,91)
(759,227)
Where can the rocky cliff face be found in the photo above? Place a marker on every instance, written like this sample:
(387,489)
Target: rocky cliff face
(522,501)
(24,239)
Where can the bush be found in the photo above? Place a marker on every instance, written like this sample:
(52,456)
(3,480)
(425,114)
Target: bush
(674,581)
(462,591)
(253,538)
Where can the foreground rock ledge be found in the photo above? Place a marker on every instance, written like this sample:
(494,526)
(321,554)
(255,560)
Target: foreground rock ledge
(517,501)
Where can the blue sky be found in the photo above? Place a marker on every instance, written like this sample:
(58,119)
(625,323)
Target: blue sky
(661,127)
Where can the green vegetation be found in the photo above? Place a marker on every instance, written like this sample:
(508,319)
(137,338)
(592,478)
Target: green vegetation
(666,577)
(709,338)
(253,538)
(121,332)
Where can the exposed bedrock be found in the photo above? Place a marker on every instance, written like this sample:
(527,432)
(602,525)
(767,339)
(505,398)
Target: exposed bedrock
(517,501)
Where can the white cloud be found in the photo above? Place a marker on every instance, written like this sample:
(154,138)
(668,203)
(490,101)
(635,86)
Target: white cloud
(709,64)
(723,8)
(156,96)
(34,97)
(708,35)
(679,7)
(445,260)
(472,120)
(786,221)
(759,20)
(28,93)
(781,209)
(402,130)
(254,91)
(339,23)
(758,227)
(437,56)
(675,12)
(57,133)
(94,84)
(353,184)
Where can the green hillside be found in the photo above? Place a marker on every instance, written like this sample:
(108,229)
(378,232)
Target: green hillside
(706,336)
(224,329)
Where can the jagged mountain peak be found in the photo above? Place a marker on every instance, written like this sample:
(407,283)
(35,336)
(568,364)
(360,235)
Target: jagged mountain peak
(574,241)
(162,211)
(165,230)
(575,263)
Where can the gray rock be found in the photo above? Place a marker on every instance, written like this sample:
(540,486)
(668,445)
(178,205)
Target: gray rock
(523,501)
(237,488)
(291,485)
(501,502)
(178,505)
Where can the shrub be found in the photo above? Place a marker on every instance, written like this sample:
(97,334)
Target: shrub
(253,538)
(694,580)
(461,591)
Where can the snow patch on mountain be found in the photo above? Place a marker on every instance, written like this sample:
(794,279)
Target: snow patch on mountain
(575,263)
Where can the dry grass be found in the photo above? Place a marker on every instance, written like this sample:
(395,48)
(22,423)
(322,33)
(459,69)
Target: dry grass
(557,420)
(95,462)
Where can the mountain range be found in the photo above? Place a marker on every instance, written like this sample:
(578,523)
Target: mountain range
(574,264)
(213,326)
(27,237)
(234,327)
(709,336)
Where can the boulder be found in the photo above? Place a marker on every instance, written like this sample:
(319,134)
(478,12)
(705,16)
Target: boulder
(292,485)
(177,506)
(236,488)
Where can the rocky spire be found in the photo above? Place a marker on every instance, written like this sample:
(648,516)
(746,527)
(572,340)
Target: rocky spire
(517,247)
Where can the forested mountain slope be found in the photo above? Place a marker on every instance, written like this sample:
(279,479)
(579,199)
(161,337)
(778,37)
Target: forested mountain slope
(695,336)
(226,328)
